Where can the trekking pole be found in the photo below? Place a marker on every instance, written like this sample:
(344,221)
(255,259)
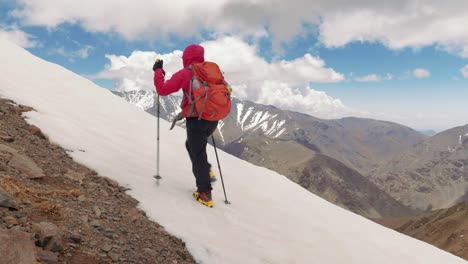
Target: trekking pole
(157,176)
(220,173)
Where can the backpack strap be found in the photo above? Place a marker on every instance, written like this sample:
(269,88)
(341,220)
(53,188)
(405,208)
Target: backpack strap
(189,95)
(205,85)
(175,119)
(190,101)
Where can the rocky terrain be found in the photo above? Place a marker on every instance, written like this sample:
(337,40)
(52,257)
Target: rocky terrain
(53,210)
(445,228)
(432,174)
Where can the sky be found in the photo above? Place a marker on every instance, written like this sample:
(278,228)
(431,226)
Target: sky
(118,140)
(404,61)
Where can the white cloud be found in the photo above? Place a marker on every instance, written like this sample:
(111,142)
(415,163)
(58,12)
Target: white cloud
(82,53)
(17,36)
(421,73)
(374,78)
(241,61)
(400,24)
(304,100)
(396,24)
(464,71)
(132,19)
(284,84)
(369,78)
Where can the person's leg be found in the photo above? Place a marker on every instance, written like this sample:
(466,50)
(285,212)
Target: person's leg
(187,145)
(196,144)
(211,127)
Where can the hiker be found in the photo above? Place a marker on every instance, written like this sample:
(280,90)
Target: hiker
(198,129)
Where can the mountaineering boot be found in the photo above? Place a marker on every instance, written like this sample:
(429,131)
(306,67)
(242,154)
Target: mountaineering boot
(204,198)
(212,176)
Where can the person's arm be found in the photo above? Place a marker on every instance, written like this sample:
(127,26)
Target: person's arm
(164,87)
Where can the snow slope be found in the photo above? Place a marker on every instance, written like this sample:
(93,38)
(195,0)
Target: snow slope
(270,220)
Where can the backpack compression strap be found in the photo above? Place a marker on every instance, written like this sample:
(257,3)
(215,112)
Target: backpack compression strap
(189,98)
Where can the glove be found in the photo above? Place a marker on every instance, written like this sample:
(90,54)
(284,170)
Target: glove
(158,64)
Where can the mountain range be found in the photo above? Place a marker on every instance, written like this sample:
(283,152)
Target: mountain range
(433,174)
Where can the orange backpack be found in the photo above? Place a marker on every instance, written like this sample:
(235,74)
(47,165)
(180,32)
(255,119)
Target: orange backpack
(209,94)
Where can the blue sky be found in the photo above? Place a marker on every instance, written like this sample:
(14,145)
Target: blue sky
(401,62)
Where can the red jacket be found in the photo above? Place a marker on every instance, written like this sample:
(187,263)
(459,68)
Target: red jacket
(181,79)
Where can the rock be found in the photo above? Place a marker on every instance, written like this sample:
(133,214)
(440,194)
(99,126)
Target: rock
(7,149)
(20,214)
(149,251)
(93,243)
(72,245)
(6,137)
(113,256)
(96,223)
(134,216)
(75,176)
(82,198)
(106,248)
(23,108)
(47,236)
(75,238)
(111,182)
(23,221)
(4,109)
(11,221)
(7,201)
(85,218)
(36,131)
(90,185)
(16,247)
(97,211)
(47,257)
(26,165)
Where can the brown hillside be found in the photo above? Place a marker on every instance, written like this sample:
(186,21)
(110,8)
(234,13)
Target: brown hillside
(321,175)
(445,228)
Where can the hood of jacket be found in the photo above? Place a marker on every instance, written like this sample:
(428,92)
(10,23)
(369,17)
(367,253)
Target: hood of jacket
(193,54)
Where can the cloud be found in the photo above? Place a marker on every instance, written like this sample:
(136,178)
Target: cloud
(84,52)
(304,100)
(421,73)
(15,35)
(464,71)
(131,19)
(241,62)
(282,83)
(374,78)
(397,24)
(81,53)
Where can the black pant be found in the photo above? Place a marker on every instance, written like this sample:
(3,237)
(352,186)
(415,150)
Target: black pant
(198,132)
